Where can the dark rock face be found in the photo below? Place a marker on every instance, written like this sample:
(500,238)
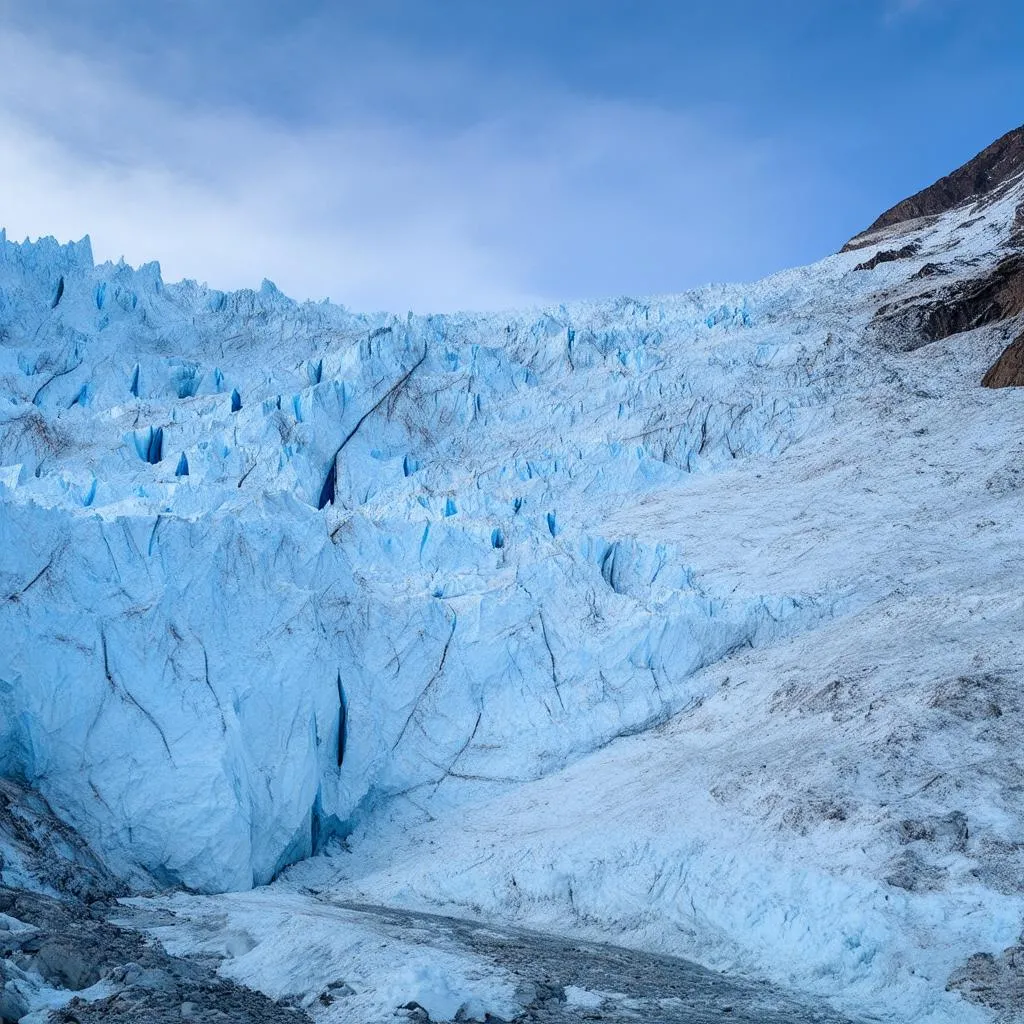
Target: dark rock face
(910,322)
(993,166)
(931,270)
(38,849)
(1017,236)
(887,256)
(56,899)
(1008,370)
(72,946)
(993,981)
(959,307)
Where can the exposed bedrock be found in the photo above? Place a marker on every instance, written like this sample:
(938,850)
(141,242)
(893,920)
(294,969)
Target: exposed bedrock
(993,167)
(963,306)
(1008,370)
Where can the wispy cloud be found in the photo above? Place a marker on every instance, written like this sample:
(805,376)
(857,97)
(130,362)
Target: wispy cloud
(362,214)
(536,195)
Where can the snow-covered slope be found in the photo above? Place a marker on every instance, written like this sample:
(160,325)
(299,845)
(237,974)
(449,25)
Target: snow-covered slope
(843,809)
(277,573)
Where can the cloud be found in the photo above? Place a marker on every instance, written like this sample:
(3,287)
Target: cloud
(530,193)
(360,213)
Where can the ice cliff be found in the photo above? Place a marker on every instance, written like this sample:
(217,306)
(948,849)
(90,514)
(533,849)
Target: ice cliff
(267,564)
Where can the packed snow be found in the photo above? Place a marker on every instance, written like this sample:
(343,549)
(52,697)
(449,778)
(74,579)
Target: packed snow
(691,621)
(297,950)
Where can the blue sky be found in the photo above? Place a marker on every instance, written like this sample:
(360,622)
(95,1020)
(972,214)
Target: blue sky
(448,153)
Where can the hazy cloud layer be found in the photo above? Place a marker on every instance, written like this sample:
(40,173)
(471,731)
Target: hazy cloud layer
(547,195)
(386,156)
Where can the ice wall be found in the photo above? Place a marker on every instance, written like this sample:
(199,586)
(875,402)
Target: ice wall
(267,566)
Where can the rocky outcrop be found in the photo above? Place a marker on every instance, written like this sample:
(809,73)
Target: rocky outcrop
(39,851)
(993,166)
(963,306)
(1017,236)
(996,982)
(60,950)
(55,951)
(1008,370)
(887,256)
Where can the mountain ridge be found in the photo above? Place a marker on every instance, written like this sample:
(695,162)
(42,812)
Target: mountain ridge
(997,164)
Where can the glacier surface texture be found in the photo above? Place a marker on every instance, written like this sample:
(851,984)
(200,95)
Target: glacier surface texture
(679,619)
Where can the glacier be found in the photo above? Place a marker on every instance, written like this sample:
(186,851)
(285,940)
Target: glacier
(662,608)
(374,517)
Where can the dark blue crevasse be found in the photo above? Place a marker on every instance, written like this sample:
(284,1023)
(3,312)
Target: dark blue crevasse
(497,537)
(182,469)
(150,445)
(328,489)
(187,380)
(134,386)
(236,400)
(342,722)
(326,827)
(316,819)
(60,293)
(610,568)
(155,451)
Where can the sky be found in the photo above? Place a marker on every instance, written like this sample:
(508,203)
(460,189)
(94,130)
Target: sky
(442,154)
